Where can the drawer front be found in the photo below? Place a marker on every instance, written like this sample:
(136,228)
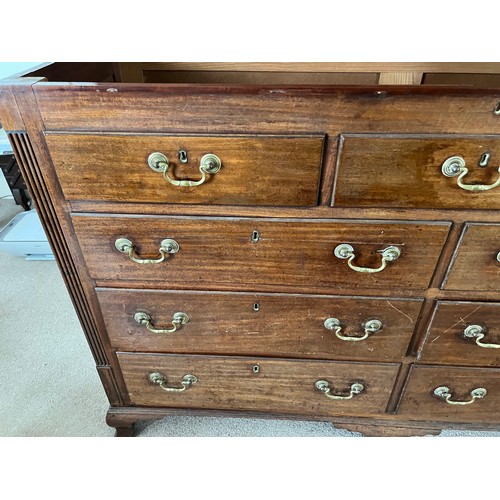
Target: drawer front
(258,384)
(464,333)
(255,170)
(260,324)
(420,403)
(250,252)
(406,172)
(477,263)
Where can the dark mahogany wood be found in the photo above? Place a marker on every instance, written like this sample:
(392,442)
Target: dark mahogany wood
(319,212)
(476,265)
(260,324)
(125,431)
(390,430)
(446,343)
(419,403)
(256,170)
(405,171)
(279,385)
(383,425)
(124,419)
(187,107)
(287,152)
(294,253)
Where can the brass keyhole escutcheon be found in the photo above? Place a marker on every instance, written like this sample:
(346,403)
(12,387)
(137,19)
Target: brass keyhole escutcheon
(485,158)
(255,368)
(183,156)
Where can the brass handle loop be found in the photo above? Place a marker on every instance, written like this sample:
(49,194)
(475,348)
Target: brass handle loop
(324,387)
(159,379)
(178,319)
(455,166)
(346,251)
(477,332)
(167,246)
(371,326)
(209,164)
(444,393)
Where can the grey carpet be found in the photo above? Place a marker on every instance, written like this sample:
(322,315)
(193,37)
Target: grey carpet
(50,386)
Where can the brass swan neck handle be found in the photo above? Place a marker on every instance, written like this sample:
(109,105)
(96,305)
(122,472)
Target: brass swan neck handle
(346,251)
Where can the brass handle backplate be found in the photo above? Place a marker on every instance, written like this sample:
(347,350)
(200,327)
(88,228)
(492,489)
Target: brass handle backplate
(324,387)
(477,332)
(209,164)
(455,166)
(167,246)
(371,326)
(346,251)
(159,379)
(444,393)
(178,319)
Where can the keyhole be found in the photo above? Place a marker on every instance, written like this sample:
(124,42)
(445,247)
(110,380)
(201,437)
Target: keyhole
(497,109)
(485,158)
(256,368)
(255,236)
(183,156)
(256,306)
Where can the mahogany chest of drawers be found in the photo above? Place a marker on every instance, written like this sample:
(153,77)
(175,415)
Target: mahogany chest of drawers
(316,251)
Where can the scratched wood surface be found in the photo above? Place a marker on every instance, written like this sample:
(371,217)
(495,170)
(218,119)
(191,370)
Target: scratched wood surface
(446,342)
(223,109)
(260,324)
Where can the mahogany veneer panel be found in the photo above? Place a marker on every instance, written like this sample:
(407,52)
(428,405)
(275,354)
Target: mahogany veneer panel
(419,403)
(293,253)
(260,324)
(476,266)
(255,170)
(402,171)
(285,386)
(446,342)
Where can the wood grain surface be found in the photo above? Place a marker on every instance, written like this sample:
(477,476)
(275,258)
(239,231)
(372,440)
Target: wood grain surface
(418,402)
(255,77)
(222,109)
(405,171)
(259,324)
(416,66)
(293,253)
(259,170)
(279,385)
(82,148)
(476,266)
(446,342)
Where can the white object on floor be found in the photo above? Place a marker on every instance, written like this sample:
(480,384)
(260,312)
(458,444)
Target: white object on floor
(24,237)
(4,148)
